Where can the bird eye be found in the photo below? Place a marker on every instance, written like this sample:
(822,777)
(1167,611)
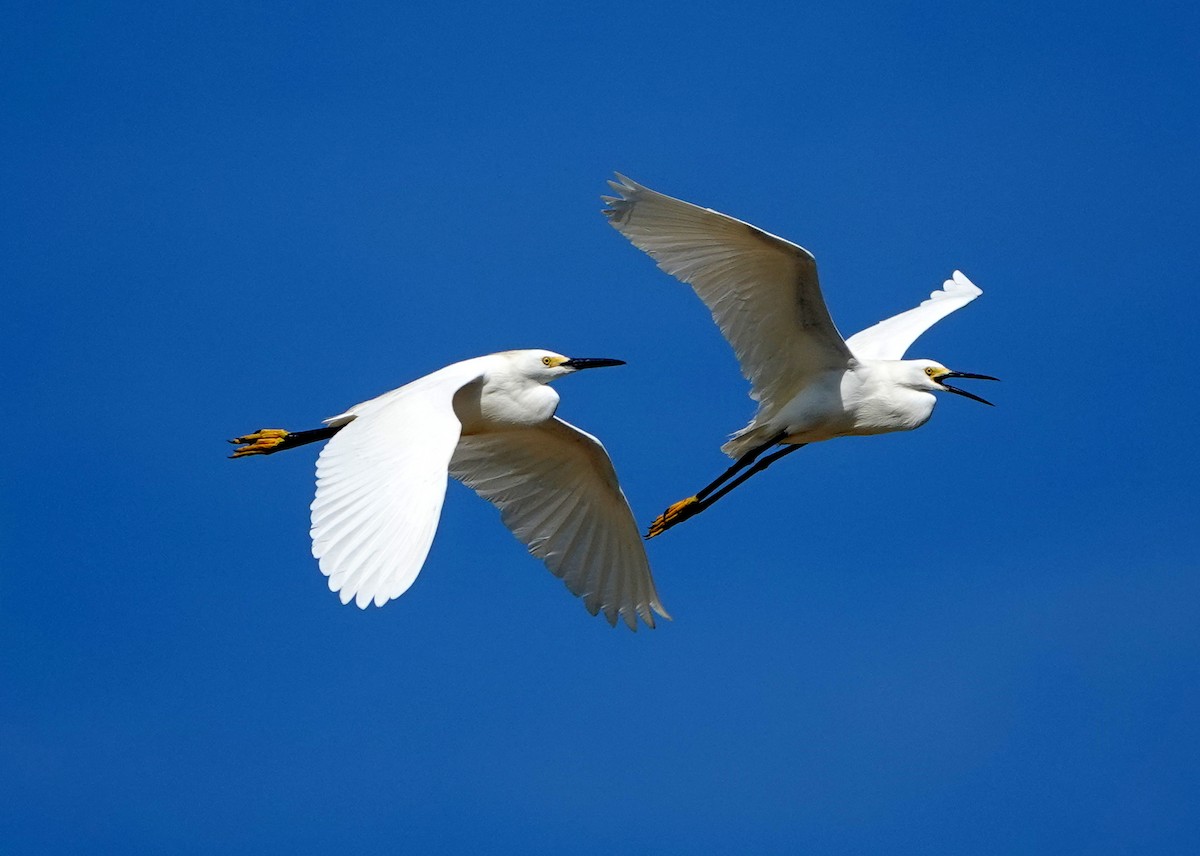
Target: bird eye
(929,371)
(545,361)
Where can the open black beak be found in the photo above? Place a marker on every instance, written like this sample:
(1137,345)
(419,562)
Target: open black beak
(957,391)
(581,363)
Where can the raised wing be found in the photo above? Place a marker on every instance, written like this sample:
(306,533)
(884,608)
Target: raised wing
(761,289)
(381,482)
(557,491)
(889,339)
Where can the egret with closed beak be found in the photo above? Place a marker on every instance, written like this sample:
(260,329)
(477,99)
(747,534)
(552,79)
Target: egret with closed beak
(488,422)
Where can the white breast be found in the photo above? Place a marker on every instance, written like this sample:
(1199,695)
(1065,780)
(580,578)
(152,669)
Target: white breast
(902,411)
(506,400)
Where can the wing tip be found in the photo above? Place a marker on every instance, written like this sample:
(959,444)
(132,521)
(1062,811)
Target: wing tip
(618,208)
(957,286)
(959,282)
(645,611)
(629,614)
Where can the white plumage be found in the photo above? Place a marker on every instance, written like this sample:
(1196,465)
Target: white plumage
(765,297)
(892,337)
(488,422)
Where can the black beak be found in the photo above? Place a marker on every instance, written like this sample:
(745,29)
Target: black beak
(581,363)
(956,391)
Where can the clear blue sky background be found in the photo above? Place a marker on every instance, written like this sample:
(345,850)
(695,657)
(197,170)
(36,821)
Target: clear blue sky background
(980,637)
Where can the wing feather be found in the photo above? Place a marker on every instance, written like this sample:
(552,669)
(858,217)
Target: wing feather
(891,338)
(762,290)
(381,482)
(558,492)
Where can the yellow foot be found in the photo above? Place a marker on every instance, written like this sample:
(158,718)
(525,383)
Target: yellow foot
(261,442)
(677,513)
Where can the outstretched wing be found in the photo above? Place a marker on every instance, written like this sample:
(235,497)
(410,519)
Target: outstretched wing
(761,289)
(381,482)
(557,491)
(889,339)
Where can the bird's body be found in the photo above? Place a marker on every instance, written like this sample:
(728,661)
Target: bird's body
(488,422)
(810,383)
(868,397)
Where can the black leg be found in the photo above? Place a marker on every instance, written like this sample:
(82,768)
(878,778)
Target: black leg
(693,505)
(741,463)
(268,441)
(757,468)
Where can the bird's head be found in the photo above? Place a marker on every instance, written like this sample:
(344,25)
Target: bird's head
(931,376)
(546,366)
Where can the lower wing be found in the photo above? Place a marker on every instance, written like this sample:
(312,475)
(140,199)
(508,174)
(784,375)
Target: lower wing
(557,491)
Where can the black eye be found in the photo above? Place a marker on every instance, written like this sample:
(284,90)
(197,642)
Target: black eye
(545,361)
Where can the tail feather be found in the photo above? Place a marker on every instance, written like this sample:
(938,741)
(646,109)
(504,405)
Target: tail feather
(750,437)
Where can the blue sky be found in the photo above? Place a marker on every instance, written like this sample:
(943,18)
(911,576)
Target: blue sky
(979,637)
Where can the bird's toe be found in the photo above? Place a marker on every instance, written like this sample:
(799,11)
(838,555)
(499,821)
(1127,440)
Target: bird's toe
(262,442)
(677,513)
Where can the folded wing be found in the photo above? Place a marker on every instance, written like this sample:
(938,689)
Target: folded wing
(890,339)
(557,491)
(762,290)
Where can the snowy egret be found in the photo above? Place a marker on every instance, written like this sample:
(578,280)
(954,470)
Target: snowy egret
(810,384)
(488,422)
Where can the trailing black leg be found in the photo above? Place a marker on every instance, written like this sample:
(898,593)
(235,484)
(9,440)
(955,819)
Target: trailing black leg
(268,441)
(757,468)
(741,463)
(693,505)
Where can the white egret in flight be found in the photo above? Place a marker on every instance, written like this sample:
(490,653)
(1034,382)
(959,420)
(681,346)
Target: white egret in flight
(809,383)
(488,422)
